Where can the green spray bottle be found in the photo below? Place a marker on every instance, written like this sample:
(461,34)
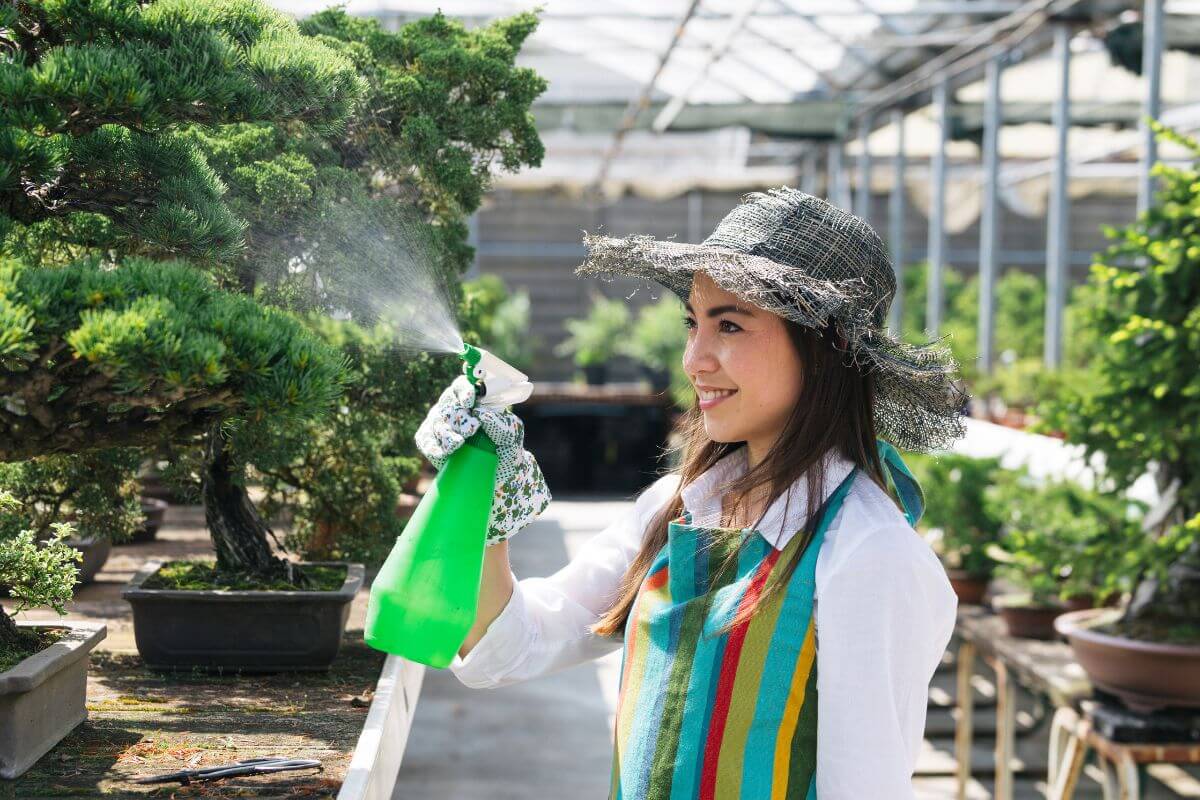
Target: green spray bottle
(422,604)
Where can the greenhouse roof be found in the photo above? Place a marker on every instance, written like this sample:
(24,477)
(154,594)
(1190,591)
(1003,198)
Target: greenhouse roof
(634,85)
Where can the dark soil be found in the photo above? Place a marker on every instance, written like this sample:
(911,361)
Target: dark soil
(25,643)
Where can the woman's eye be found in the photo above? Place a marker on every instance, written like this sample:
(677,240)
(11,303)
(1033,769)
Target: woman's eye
(687,322)
(734,325)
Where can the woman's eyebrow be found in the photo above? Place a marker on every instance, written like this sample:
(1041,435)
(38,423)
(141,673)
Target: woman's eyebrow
(712,312)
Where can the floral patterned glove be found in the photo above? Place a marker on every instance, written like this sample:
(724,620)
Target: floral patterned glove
(521,492)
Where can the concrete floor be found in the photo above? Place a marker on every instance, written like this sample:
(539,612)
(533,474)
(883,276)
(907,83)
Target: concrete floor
(552,737)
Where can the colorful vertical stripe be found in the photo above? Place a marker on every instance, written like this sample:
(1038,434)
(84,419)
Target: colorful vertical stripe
(729,716)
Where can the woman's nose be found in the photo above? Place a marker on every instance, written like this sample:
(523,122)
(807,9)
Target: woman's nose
(698,356)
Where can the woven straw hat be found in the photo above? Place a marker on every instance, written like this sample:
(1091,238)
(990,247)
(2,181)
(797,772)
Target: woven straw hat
(806,260)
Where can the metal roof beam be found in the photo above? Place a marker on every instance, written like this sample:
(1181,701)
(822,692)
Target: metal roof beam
(636,104)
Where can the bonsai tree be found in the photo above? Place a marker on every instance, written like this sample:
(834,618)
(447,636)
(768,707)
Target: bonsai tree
(1061,541)
(1142,397)
(592,341)
(37,573)
(658,338)
(92,162)
(958,524)
(368,125)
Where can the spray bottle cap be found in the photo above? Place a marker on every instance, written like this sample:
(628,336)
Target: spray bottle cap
(500,383)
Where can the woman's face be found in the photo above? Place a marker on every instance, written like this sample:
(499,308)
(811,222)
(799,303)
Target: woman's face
(733,345)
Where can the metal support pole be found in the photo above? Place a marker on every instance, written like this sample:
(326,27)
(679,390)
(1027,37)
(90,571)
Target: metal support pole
(695,216)
(1058,219)
(937,214)
(862,198)
(833,192)
(1152,50)
(896,211)
(808,175)
(988,221)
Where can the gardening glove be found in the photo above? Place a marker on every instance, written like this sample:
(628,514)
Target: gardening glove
(521,492)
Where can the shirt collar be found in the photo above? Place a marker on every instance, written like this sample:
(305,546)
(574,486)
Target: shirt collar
(785,516)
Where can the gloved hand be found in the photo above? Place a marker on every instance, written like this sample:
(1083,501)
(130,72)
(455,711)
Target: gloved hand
(521,492)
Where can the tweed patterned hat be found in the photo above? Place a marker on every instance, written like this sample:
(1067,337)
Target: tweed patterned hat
(806,260)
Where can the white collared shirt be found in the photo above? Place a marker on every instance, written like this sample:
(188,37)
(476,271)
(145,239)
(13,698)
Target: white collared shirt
(884,612)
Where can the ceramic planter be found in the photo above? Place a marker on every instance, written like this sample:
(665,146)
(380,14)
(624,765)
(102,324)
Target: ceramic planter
(969,588)
(155,511)
(1030,622)
(95,550)
(1146,676)
(42,698)
(247,631)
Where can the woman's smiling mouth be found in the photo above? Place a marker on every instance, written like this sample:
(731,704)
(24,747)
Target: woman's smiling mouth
(711,397)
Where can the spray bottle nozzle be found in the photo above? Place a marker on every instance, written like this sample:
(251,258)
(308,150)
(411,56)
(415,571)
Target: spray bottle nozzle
(497,383)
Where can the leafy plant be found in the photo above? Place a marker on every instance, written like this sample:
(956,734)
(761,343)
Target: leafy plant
(37,573)
(1061,540)
(502,319)
(594,339)
(1140,406)
(957,523)
(658,337)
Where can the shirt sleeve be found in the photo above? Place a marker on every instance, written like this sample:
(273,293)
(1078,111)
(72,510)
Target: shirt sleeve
(884,619)
(544,626)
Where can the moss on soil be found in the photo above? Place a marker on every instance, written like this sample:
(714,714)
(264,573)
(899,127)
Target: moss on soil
(204,575)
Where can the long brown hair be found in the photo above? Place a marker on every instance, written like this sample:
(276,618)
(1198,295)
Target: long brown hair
(833,411)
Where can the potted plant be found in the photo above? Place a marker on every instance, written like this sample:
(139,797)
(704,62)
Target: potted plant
(593,340)
(1061,544)
(1138,409)
(957,523)
(657,341)
(43,667)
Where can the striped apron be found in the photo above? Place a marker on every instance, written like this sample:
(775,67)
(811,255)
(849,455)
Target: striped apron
(730,717)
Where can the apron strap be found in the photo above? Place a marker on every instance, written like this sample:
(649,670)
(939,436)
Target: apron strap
(912,496)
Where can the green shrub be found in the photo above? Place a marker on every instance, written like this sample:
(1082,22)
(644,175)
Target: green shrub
(1140,404)
(957,522)
(1061,540)
(594,339)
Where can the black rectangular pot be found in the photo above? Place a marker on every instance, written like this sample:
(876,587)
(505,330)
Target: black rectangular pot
(241,631)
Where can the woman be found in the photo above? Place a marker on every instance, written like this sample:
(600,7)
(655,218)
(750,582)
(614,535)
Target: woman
(780,618)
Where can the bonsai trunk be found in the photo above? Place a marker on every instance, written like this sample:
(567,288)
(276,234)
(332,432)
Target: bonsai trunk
(238,533)
(10,635)
(1175,600)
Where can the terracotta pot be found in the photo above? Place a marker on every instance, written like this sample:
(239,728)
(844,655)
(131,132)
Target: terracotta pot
(1146,676)
(969,588)
(1081,602)
(1029,622)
